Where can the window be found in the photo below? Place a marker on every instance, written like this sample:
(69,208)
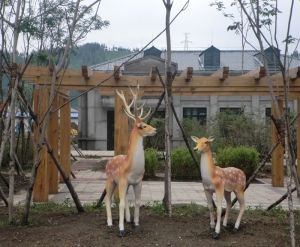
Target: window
(198,114)
(235,110)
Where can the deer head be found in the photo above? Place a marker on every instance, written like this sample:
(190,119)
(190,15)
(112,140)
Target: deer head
(202,143)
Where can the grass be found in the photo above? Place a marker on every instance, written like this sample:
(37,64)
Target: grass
(100,166)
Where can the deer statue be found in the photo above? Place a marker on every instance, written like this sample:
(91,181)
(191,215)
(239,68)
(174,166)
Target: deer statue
(222,181)
(128,169)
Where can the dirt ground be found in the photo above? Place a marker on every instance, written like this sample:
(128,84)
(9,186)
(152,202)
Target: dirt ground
(53,225)
(188,227)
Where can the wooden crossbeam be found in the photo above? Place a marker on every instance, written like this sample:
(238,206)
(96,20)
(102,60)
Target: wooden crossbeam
(117,72)
(258,73)
(187,74)
(222,73)
(292,73)
(86,72)
(153,74)
(199,85)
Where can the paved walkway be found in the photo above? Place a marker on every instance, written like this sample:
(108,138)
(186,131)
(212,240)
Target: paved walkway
(89,186)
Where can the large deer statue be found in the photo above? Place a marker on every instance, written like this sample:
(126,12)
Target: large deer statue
(128,169)
(222,181)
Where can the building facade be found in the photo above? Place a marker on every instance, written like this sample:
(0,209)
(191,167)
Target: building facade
(96,111)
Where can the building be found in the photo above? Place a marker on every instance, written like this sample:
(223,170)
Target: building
(96,111)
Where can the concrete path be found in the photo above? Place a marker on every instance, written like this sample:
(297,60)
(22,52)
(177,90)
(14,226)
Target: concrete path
(89,186)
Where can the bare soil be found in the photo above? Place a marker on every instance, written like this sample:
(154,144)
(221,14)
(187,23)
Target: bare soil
(189,226)
(183,229)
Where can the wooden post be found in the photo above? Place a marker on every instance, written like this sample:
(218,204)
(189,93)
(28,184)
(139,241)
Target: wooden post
(53,139)
(41,183)
(65,138)
(121,130)
(278,154)
(298,138)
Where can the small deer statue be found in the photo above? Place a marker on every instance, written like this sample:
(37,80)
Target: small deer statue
(222,181)
(128,169)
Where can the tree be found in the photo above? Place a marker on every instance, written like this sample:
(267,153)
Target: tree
(54,27)
(262,17)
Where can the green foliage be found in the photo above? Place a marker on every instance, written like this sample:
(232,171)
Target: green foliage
(244,129)
(100,166)
(157,141)
(155,208)
(244,158)
(151,162)
(193,128)
(182,164)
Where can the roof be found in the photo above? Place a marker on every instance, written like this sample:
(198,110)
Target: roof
(230,58)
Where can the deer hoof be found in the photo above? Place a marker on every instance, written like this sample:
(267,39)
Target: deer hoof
(122,233)
(216,235)
(137,228)
(235,230)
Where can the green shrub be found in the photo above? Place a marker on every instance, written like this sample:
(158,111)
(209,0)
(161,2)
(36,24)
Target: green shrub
(157,141)
(241,157)
(151,162)
(182,164)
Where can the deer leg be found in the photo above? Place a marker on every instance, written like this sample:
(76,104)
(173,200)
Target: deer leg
(137,191)
(241,198)
(219,194)
(127,215)
(110,188)
(123,186)
(227,196)
(211,209)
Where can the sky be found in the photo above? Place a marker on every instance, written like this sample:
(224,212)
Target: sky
(134,23)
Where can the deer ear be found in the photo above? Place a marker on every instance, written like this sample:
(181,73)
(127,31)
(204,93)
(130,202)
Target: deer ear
(195,139)
(211,138)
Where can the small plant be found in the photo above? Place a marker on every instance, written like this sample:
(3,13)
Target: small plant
(99,166)
(182,164)
(243,158)
(151,162)
(155,208)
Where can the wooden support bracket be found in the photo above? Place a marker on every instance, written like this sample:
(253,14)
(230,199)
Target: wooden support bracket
(117,72)
(222,73)
(258,73)
(87,73)
(153,74)
(187,73)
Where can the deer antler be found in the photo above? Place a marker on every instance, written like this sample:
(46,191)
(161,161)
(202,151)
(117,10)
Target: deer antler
(127,110)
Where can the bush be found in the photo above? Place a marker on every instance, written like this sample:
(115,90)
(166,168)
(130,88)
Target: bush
(241,157)
(151,162)
(157,141)
(182,164)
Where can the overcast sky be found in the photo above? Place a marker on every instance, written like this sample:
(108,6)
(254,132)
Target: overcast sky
(133,23)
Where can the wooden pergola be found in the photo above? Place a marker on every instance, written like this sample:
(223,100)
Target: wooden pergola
(219,83)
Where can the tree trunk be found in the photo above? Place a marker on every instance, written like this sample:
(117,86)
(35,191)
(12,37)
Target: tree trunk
(167,200)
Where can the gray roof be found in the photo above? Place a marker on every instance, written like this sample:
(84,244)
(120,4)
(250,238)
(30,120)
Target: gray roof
(184,59)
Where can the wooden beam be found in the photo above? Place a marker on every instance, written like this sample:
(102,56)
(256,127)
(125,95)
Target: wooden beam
(258,73)
(53,130)
(121,130)
(277,155)
(153,74)
(86,72)
(41,183)
(293,73)
(117,72)
(222,73)
(187,74)
(65,138)
(199,85)
(298,138)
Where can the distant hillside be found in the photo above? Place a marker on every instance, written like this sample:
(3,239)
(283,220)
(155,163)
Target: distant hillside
(87,54)
(94,53)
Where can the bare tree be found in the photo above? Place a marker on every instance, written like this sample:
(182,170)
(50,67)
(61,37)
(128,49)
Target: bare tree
(260,16)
